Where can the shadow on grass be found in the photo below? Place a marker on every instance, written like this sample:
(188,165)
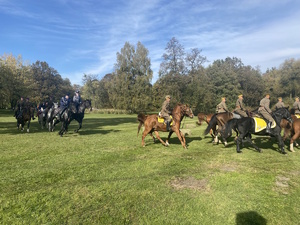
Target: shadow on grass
(250,218)
(89,126)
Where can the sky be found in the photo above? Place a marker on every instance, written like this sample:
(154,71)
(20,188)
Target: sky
(77,37)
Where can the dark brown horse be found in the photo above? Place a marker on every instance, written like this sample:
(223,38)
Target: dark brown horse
(217,123)
(23,117)
(151,124)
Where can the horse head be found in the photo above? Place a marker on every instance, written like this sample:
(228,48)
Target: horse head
(88,104)
(187,111)
(284,113)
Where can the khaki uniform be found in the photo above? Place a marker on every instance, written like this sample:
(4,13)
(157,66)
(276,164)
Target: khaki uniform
(166,111)
(296,106)
(221,107)
(279,105)
(239,108)
(264,109)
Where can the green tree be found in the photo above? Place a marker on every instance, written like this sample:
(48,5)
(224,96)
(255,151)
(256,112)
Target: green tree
(130,88)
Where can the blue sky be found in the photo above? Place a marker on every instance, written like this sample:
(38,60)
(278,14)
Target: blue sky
(83,36)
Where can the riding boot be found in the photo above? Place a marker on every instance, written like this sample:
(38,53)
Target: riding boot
(168,125)
(268,129)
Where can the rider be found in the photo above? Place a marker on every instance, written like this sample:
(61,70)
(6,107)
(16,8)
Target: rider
(239,107)
(77,100)
(166,111)
(279,104)
(221,107)
(30,107)
(296,106)
(64,103)
(265,111)
(19,107)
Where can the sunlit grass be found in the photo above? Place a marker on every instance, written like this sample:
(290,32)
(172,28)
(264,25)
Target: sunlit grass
(103,176)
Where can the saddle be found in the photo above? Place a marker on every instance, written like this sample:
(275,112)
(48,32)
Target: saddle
(162,120)
(261,124)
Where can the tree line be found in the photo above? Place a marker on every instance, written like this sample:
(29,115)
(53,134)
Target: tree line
(181,74)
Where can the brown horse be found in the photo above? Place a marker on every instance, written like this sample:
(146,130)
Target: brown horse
(295,133)
(24,117)
(218,120)
(206,117)
(151,124)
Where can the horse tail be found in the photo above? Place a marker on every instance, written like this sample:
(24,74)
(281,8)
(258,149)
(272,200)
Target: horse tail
(212,122)
(141,118)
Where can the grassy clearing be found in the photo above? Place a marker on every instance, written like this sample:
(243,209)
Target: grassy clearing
(103,176)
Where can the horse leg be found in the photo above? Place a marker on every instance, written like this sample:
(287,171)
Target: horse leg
(152,137)
(80,125)
(145,133)
(180,138)
(183,138)
(169,136)
(28,125)
(293,139)
(280,143)
(249,140)
(158,137)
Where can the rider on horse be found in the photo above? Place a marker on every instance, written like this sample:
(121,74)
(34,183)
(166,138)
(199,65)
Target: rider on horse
(77,100)
(19,107)
(279,104)
(64,103)
(296,106)
(239,107)
(265,111)
(221,107)
(166,111)
(30,107)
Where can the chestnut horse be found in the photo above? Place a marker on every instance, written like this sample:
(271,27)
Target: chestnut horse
(295,133)
(151,124)
(206,117)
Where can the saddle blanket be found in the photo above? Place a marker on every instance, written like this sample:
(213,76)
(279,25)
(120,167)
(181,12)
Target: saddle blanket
(162,120)
(261,124)
(298,116)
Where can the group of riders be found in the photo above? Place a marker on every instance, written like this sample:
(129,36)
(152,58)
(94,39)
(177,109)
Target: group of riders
(27,106)
(263,109)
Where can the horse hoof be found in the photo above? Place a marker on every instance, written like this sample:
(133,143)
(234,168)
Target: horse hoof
(239,152)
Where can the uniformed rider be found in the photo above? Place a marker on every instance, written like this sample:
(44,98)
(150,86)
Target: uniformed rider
(239,107)
(166,111)
(296,106)
(265,111)
(221,107)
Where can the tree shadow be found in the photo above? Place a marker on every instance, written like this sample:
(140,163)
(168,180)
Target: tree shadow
(89,126)
(250,218)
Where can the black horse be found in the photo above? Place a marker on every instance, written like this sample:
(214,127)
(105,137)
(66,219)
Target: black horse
(24,116)
(246,126)
(73,114)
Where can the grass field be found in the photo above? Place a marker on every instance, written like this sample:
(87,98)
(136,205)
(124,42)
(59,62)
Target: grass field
(103,176)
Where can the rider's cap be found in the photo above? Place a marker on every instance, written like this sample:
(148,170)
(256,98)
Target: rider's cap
(279,98)
(240,95)
(168,96)
(223,98)
(297,97)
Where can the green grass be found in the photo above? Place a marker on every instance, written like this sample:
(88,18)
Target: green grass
(102,175)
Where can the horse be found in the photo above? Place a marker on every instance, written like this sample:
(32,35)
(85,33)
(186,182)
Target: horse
(295,133)
(216,124)
(51,116)
(41,115)
(23,117)
(206,117)
(246,126)
(71,114)
(151,124)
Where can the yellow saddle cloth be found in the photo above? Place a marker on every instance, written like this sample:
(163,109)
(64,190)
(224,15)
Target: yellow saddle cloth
(298,116)
(162,120)
(261,124)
